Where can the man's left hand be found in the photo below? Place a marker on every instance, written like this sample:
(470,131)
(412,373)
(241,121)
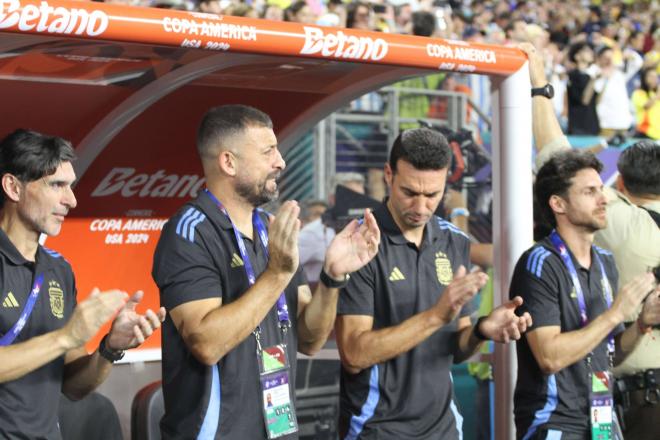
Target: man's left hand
(130,329)
(353,247)
(503,325)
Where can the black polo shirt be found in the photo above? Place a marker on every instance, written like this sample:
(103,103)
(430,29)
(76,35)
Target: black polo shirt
(197,257)
(561,400)
(409,396)
(28,405)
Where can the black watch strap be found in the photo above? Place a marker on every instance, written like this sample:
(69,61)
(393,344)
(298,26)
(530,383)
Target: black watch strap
(332,283)
(477,332)
(112,356)
(547,91)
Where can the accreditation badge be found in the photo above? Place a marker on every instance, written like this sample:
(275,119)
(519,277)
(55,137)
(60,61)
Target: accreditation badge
(278,408)
(601,405)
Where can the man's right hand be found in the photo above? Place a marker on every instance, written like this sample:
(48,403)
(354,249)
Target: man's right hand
(459,292)
(90,314)
(627,301)
(283,239)
(536,67)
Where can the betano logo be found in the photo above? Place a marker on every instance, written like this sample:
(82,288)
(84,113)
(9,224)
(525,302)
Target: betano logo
(46,18)
(340,45)
(128,184)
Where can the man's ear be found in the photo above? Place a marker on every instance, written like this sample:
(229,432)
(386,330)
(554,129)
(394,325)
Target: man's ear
(557,204)
(12,187)
(620,186)
(388,174)
(227,162)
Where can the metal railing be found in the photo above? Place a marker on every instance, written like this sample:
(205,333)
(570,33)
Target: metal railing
(358,141)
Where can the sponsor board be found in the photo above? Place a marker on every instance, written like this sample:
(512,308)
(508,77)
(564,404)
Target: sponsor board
(116,23)
(340,45)
(126,231)
(126,182)
(460,54)
(101,259)
(215,29)
(53,20)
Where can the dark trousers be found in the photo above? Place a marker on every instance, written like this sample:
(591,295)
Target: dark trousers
(642,420)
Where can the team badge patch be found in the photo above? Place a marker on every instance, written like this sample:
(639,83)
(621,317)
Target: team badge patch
(56,299)
(443,269)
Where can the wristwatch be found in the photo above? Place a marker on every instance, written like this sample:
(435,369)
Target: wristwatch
(547,90)
(327,281)
(477,331)
(112,356)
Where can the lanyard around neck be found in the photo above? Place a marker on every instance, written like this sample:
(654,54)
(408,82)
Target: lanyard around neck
(282,308)
(561,247)
(11,335)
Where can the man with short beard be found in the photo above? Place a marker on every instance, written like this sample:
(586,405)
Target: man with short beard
(240,307)
(569,287)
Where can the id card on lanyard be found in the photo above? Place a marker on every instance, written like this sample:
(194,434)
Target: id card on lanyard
(277,395)
(601,402)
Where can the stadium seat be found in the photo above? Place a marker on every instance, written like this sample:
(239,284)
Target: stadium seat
(147,410)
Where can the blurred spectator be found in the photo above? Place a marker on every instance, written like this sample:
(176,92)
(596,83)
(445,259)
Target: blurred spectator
(312,210)
(403,18)
(613,102)
(646,101)
(241,10)
(652,57)
(582,117)
(178,5)
(516,31)
(595,20)
(359,16)
(440,106)
(335,14)
(300,12)
(316,236)
(413,105)
(273,12)
(210,7)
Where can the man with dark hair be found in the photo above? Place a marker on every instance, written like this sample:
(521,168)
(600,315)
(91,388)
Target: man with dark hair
(423,23)
(631,233)
(43,331)
(238,304)
(569,288)
(359,15)
(633,236)
(582,117)
(404,317)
